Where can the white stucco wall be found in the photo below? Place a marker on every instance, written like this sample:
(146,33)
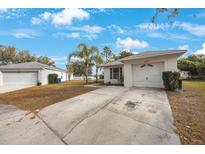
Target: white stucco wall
(43,76)
(128,75)
(107,75)
(1,78)
(170,64)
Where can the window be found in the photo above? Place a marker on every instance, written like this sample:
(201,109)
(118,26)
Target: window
(116,73)
(110,73)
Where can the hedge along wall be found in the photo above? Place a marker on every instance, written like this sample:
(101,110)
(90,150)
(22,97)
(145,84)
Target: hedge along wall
(171,80)
(52,78)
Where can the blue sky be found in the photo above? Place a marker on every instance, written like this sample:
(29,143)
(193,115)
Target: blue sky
(56,32)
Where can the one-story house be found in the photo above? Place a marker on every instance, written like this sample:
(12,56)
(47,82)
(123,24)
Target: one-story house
(29,73)
(143,69)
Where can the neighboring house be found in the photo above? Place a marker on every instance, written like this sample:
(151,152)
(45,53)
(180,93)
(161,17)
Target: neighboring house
(143,69)
(184,74)
(83,77)
(29,73)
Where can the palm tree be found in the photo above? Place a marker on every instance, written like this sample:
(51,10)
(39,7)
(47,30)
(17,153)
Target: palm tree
(107,53)
(98,61)
(86,54)
(70,70)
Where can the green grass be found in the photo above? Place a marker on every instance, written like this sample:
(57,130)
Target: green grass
(197,86)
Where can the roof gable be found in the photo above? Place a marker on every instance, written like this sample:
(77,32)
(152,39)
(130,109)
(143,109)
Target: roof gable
(30,65)
(148,54)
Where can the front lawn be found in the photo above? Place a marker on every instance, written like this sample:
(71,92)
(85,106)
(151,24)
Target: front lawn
(41,96)
(188,108)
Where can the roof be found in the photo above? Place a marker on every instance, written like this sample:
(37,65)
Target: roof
(113,63)
(29,65)
(146,54)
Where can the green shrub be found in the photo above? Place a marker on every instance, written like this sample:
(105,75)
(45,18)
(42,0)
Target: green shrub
(52,78)
(171,80)
(101,76)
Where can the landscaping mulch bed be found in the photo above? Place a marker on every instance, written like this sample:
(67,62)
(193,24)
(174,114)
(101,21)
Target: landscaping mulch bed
(188,107)
(38,97)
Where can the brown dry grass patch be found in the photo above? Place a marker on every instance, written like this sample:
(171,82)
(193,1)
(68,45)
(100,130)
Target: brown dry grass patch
(38,97)
(188,107)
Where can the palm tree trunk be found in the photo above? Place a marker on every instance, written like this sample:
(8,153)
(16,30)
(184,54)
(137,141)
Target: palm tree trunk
(86,74)
(96,74)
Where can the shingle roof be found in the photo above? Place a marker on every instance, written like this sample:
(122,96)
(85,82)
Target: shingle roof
(145,54)
(29,65)
(148,54)
(113,63)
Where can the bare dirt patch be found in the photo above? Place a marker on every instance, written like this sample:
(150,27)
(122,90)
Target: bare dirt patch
(188,107)
(38,97)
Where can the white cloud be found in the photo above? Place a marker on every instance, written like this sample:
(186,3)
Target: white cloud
(64,17)
(116,29)
(67,16)
(75,35)
(183,47)
(90,36)
(59,60)
(3,10)
(12,13)
(25,33)
(130,43)
(35,21)
(99,10)
(45,15)
(201,51)
(88,29)
(168,36)
(22,35)
(152,26)
(56,58)
(194,29)
(69,35)
(134,52)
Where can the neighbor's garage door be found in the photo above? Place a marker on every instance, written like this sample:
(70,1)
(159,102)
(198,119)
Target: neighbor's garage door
(19,78)
(148,75)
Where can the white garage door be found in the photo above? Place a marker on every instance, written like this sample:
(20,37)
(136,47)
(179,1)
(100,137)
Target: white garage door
(19,78)
(149,75)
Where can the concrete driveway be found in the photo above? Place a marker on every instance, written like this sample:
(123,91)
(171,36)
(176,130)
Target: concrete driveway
(9,88)
(112,115)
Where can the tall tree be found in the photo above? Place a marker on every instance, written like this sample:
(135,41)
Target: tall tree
(46,60)
(86,54)
(107,53)
(170,13)
(7,55)
(195,64)
(79,68)
(98,60)
(24,56)
(70,70)
(123,54)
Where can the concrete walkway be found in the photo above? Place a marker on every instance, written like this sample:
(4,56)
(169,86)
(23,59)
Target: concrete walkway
(111,115)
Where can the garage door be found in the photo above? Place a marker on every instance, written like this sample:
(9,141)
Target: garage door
(19,78)
(148,75)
